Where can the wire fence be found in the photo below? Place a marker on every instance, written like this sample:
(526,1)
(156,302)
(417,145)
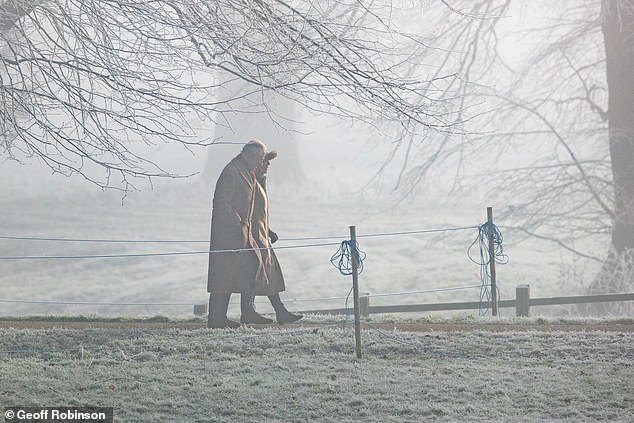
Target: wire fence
(194,252)
(342,257)
(206,241)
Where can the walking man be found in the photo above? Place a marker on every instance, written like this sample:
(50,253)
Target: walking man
(231,229)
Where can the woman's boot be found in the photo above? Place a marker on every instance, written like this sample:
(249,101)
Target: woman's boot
(282,315)
(249,315)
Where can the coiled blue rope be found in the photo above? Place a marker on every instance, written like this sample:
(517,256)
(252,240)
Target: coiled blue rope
(342,259)
(483,239)
(485,257)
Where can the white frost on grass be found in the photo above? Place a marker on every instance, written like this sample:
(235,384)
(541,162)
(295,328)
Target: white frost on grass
(312,375)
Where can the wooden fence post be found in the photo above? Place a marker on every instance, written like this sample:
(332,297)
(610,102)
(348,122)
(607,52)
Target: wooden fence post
(364,304)
(355,290)
(494,291)
(522,300)
(200,309)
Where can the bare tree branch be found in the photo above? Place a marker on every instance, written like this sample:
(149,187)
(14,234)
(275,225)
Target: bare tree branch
(83,83)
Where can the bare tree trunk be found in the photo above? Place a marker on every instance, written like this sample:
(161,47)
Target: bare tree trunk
(617,273)
(262,115)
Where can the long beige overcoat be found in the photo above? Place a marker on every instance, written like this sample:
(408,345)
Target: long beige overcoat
(274,277)
(231,229)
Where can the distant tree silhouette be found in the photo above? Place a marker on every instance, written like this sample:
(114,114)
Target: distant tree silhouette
(274,120)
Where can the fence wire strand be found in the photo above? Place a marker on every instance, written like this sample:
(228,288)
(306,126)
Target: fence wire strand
(192,241)
(343,259)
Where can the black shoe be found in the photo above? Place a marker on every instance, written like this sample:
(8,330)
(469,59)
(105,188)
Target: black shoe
(286,316)
(217,319)
(254,318)
(227,324)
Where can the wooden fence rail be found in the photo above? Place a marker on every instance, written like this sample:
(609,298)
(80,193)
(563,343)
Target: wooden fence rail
(522,304)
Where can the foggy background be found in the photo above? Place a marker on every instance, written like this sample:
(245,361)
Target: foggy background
(338,191)
(326,177)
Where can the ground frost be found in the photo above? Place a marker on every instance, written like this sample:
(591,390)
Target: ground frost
(273,375)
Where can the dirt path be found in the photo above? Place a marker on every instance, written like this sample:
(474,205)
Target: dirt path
(405,327)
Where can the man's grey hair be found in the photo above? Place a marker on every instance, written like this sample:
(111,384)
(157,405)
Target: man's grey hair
(252,146)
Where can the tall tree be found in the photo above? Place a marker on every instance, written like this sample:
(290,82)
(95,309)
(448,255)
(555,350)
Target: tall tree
(618,33)
(560,137)
(273,119)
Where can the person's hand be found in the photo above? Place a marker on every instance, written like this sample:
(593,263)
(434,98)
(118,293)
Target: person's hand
(273,236)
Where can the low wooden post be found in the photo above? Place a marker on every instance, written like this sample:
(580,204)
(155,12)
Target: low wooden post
(355,293)
(200,309)
(364,304)
(494,291)
(522,300)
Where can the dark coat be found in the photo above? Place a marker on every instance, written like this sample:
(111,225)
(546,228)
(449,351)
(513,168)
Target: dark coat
(231,229)
(260,229)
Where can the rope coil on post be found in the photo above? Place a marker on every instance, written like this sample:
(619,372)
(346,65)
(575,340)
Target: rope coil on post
(349,260)
(342,259)
(491,228)
(484,231)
